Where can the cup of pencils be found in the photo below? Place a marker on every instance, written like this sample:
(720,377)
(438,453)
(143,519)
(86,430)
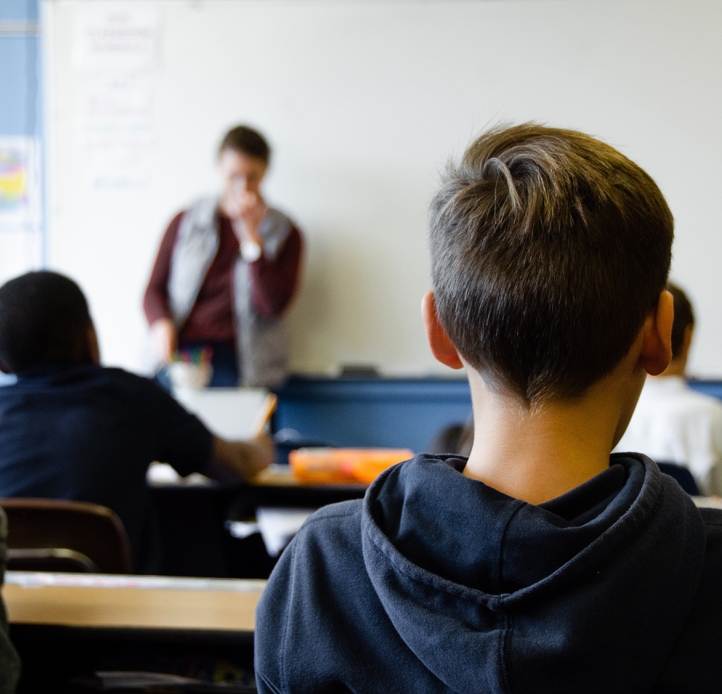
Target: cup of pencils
(191,368)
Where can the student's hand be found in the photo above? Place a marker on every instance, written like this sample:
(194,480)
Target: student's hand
(260,453)
(165,338)
(242,459)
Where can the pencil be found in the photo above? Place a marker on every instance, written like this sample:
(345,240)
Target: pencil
(264,416)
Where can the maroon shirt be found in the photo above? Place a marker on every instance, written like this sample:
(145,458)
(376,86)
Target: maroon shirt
(212,317)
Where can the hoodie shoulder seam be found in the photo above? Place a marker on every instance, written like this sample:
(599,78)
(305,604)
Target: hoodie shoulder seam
(493,601)
(286,623)
(502,542)
(319,518)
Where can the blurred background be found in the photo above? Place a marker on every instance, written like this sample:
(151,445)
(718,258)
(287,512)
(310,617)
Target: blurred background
(111,112)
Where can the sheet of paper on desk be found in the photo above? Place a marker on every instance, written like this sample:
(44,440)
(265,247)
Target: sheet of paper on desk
(227,412)
(160,474)
(278,526)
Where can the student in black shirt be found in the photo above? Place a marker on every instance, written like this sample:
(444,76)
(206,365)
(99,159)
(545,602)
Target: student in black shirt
(72,429)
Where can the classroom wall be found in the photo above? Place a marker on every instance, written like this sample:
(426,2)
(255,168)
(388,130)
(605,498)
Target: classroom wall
(363,103)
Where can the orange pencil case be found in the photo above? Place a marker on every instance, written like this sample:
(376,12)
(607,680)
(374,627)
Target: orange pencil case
(344,465)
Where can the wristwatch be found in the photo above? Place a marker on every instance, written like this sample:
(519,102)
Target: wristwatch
(251,251)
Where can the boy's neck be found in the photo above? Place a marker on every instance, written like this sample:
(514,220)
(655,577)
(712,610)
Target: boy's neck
(538,454)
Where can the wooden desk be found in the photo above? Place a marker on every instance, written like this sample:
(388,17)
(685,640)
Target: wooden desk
(131,602)
(277,486)
(275,476)
(66,625)
(278,476)
(282,476)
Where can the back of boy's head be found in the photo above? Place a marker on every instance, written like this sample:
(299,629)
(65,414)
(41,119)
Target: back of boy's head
(549,249)
(44,318)
(683,318)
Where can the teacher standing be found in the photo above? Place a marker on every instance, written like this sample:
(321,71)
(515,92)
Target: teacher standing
(226,270)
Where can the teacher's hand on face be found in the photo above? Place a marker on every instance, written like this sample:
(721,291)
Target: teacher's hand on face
(242,175)
(249,209)
(165,338)
(252,210)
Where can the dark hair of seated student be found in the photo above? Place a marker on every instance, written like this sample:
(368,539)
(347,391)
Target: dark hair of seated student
(44,318)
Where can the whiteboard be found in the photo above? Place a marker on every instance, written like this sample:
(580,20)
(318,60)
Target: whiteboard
(363,103)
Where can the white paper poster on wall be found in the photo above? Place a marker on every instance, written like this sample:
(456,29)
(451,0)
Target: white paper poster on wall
(115,111)
(114,122)
(115,53)
(116,37)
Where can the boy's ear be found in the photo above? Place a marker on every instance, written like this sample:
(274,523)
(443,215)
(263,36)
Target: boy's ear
(441,345)
(657,339)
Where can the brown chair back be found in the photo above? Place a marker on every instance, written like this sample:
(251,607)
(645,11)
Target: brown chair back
(49,534)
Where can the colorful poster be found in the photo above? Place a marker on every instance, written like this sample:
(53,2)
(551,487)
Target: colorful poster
(19,183)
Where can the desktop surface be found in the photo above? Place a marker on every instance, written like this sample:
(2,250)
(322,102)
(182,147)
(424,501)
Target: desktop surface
(132,602)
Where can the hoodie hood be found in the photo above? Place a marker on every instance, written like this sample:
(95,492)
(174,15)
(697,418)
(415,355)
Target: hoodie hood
(493,594)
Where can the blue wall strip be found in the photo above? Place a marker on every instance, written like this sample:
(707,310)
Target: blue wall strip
(21,77)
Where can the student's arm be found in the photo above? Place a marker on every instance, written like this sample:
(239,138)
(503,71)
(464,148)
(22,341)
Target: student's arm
(274,281)
(185,443)
(234,460)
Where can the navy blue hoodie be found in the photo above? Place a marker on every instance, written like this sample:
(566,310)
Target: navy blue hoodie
(438,583)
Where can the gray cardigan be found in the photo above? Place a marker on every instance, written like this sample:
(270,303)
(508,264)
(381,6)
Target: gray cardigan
(261,341)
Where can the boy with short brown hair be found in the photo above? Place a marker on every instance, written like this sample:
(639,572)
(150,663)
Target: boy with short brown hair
(540,564)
